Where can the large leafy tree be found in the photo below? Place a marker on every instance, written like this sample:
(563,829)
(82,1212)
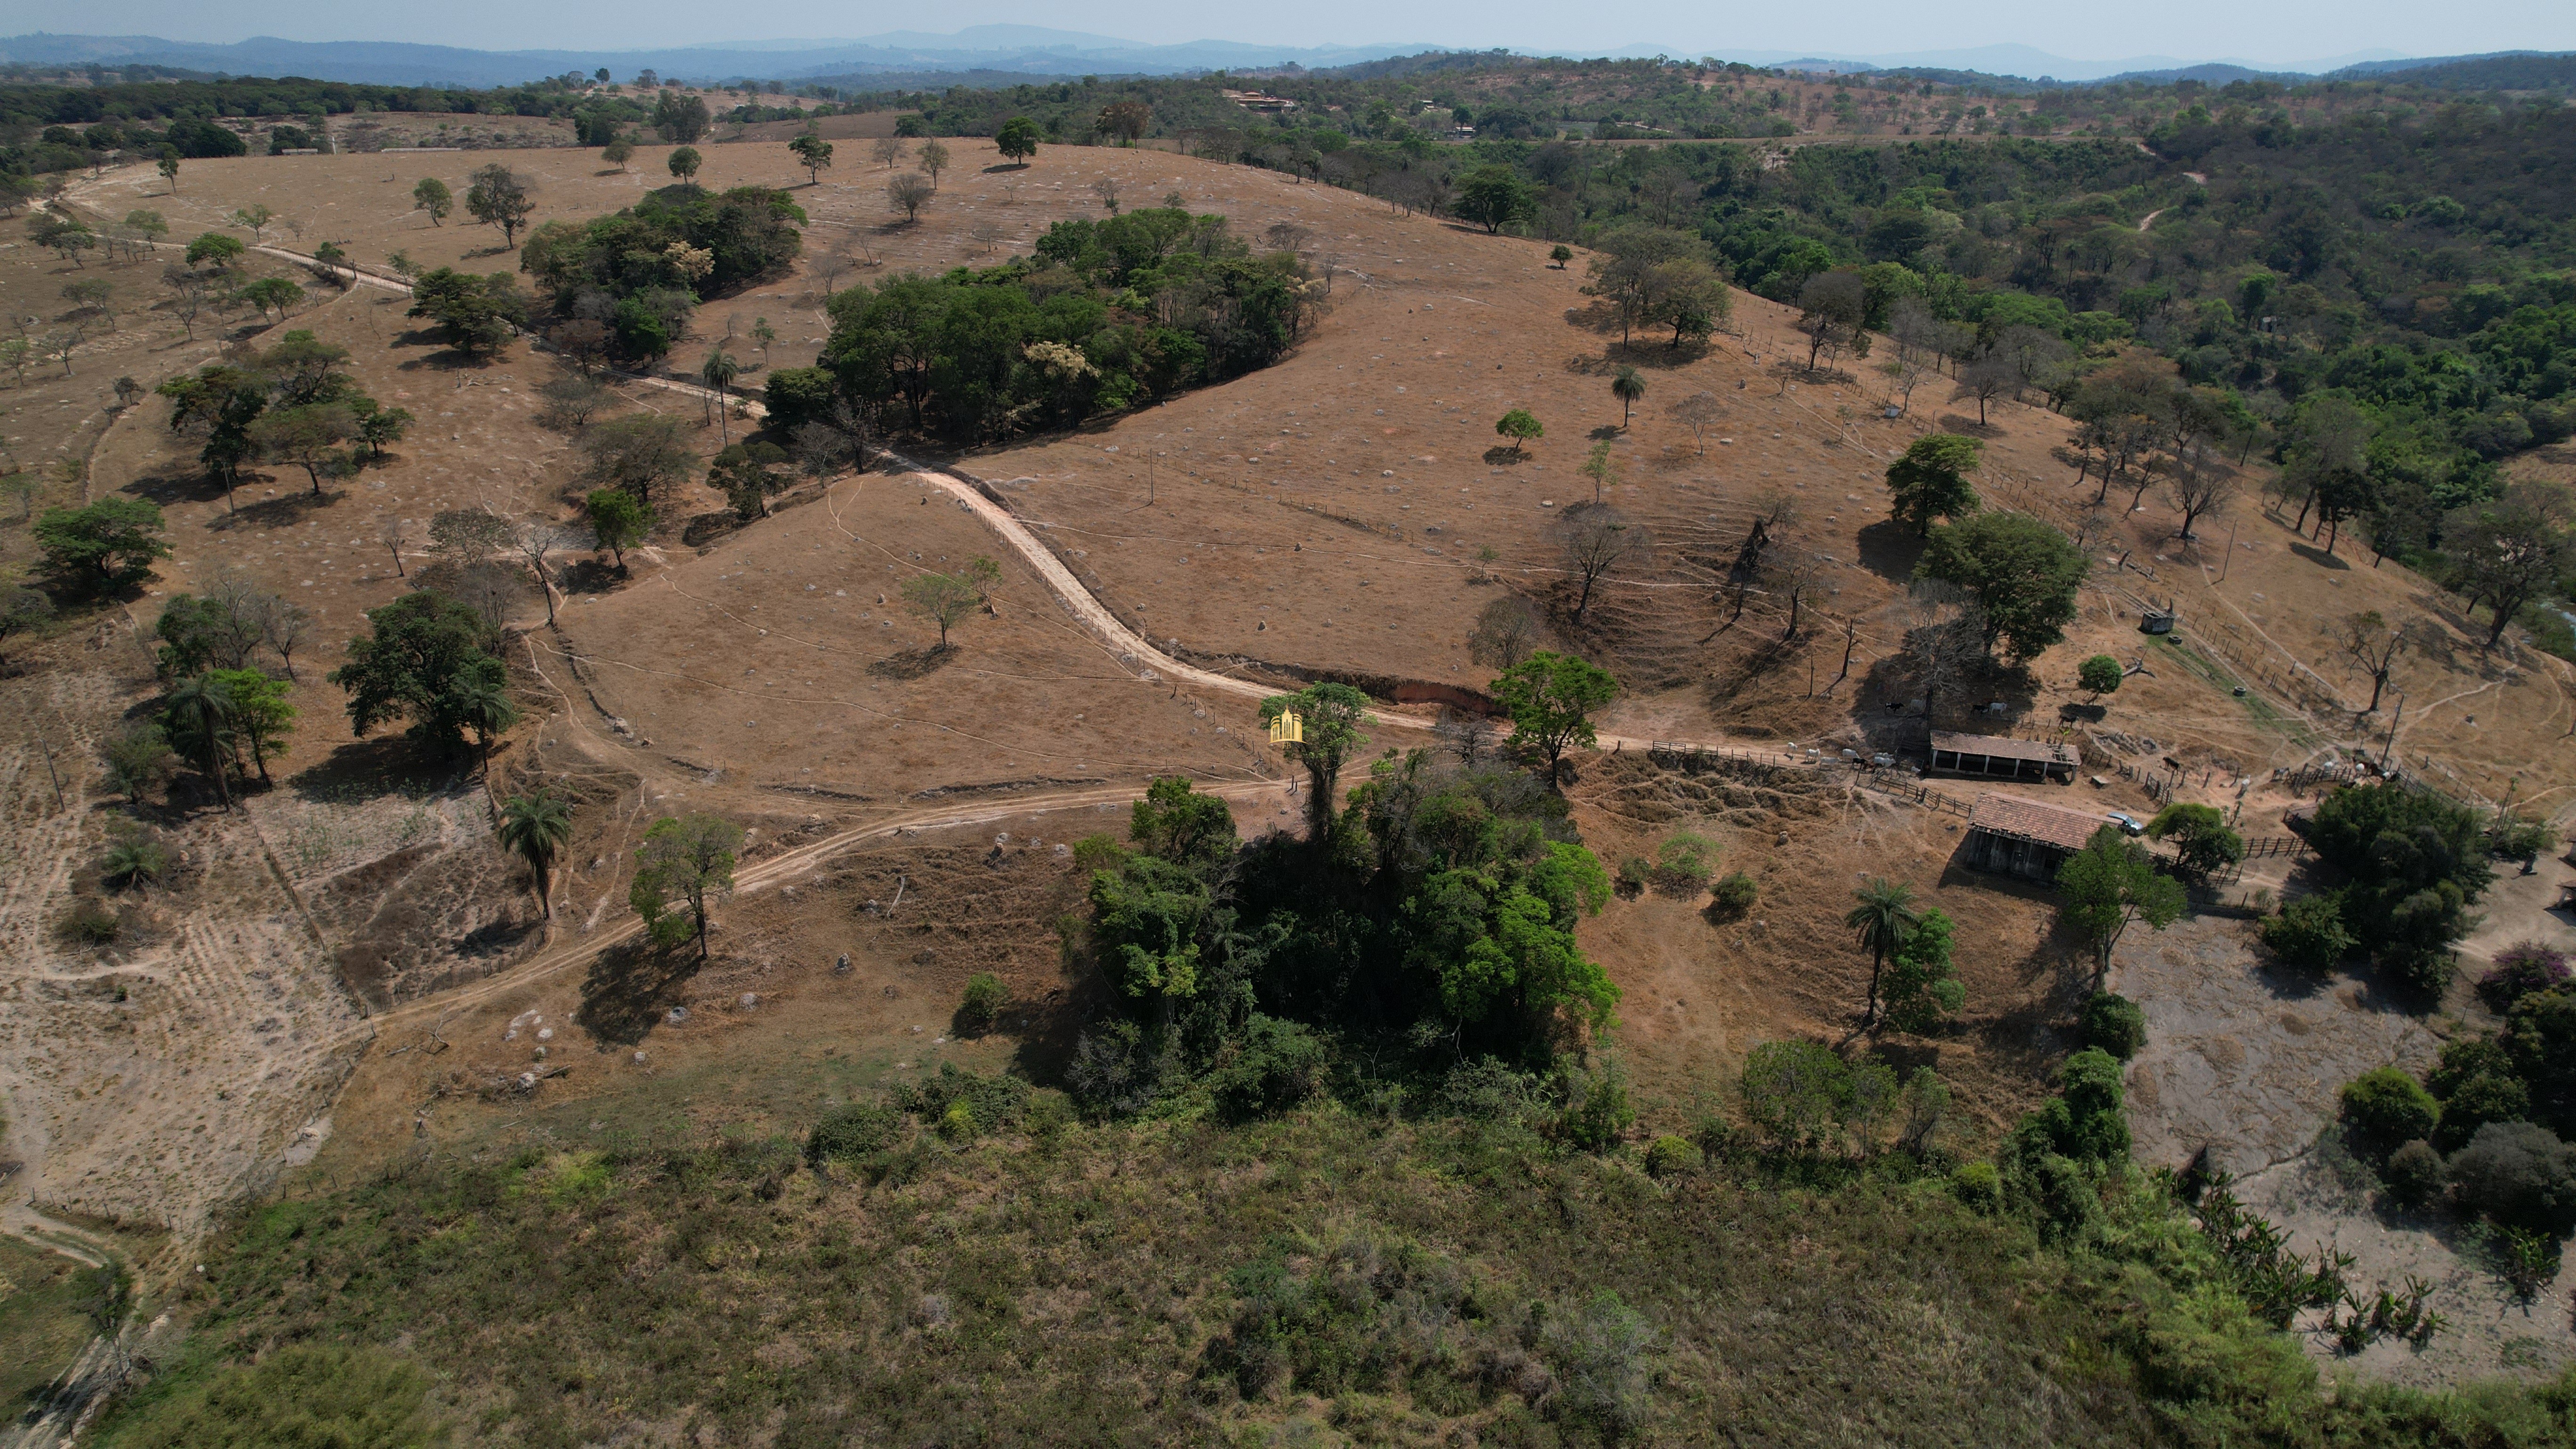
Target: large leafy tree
(497,196)
(426,660)
(2021,573)
(1493,198)
(2203,845)
(686,862)
(1931,481)
(2414,862)
(480,314)
(104,545)
(2109,885)
(1923,989)
(1551,698)
(198,717)
(1017,139)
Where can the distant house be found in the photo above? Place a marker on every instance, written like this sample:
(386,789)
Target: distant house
(2000,757)
(1260,101)
(2008,835)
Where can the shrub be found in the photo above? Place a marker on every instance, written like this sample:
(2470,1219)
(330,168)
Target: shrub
(2308,934)
(1683,864)
(2414,1173)
(994,1101)
(1634,872)
(1672,1156)
(2520,970)
(2520,1175)
(1979,1186)
(2115,1024)
(957,1124)
(853,1133)
(1795,1092)
(1596,1108)
(981,1007)
(1732,898)
(2385,1108)
(300,1394)
(1278,1065)
(1602,1352)
(2478,1100)
(91,924)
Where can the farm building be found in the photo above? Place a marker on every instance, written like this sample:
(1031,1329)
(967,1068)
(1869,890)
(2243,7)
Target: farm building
(2009,835)
(2000,757)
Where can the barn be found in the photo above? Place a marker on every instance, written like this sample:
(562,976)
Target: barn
(2001,757)
(2008,835)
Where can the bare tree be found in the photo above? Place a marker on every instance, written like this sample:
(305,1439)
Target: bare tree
(1597,538)
(887,151)
(1699,412)
(909,193)
(1987,378)
(2198,485)
(1466,734)
(2371,642)
(533,540)
(393,533)
(286,628)
(1507,631)
(1106,188)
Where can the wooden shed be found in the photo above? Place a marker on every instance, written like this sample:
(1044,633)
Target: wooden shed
(2009,835)
(2000,757)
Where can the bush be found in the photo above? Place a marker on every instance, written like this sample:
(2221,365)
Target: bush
(300,1394)
(993,1102)
(957,1124)
(1732,898)
(2385,1108)
(1672,1156)
(2414,1174)
(1634,872)
(1795,1093)
(1278,1065)
(1596,1106)
(2520,1175)
(2308,934)
(2478,1100)
(2115,1024)
(2520,970)
(2084,1122)
(1602,1352)
(1683,864)
(853,1133)
(91,924)
(980,1009)
(1979,1186)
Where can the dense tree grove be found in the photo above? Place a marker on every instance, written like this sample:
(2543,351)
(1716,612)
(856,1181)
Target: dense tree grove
(1105,316)
(641,272)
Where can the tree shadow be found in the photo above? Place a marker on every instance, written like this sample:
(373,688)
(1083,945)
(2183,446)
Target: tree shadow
(1640,352)
(383,765)
(283,511)
(911,664)
(2320,557)
(631,988)
(1503,455)
(1890,550)
(589,576)
(2086,713)
(1968,427)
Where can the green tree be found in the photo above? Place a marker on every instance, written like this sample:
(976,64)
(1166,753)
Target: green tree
(1628,386)
(1551,698)
(684,162)
(495,196)
(535,828)
(685,862)
(1329,717)
(2307,934)
(310,437)
(2099,675)
(480,314)
(254,219)
(136,862)
(1882,916)
(943,599)
(424,655)
(1017,139)
(1494,198)
(617,152)
(1559,255)
(2021,573)
(2109,884)
(197,716)
(215,248)
(1598,467)
(1796,1093)
(2203,845)
(271,294)
(478,695)
(718,373)
(1931,481)
(619,519)
(432,196)
(2414,862)
(1520,427)
(260,716)
(681,118)
(1176,823)
(106,544)
(814,154)
(168,166)
(1923,988)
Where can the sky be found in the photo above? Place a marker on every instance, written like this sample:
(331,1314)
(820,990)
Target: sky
(2275,31)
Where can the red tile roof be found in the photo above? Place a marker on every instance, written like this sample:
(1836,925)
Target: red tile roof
(2020,819)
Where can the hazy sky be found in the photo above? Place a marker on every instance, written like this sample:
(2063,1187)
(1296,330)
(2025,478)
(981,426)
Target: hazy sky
(2191,29)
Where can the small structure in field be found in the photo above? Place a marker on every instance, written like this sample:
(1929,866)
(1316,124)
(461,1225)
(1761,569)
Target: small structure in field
(2009,835)
(2000,757)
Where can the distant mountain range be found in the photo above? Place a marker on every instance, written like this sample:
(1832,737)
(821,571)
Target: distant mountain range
(1037,52)
(1023,49)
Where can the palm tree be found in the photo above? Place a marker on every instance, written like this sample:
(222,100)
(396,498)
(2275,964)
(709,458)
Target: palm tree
(719,371)
(481,699)
(535,827)
(138,863)
(1627,387)
(1884,917)
(205,707)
